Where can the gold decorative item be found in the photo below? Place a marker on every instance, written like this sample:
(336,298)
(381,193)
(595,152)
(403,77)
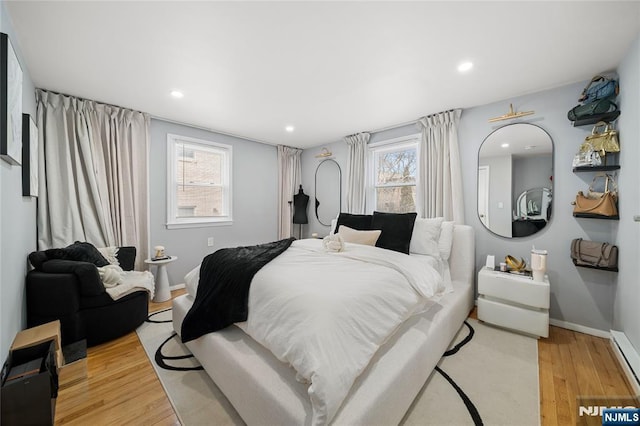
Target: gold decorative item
(511,114)
(515,264)
(325,153)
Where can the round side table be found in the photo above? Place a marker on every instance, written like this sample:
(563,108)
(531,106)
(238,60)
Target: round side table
(162,292)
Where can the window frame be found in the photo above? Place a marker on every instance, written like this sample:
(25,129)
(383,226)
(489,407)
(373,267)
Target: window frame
(175,222)
(389,145)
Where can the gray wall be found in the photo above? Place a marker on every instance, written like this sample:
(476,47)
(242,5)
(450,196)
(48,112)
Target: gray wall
(578,295)
(626,317)
(255,194)
(500,172)
(17,221)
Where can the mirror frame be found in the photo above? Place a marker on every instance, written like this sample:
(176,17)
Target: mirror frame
(551,186)
(315,190)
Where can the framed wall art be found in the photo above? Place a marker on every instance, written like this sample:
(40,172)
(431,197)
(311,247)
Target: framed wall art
(10,103)
(29,157)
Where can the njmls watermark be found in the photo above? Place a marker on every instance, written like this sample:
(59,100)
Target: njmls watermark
(608,411)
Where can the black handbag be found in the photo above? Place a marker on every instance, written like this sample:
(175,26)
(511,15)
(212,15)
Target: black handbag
(598,107)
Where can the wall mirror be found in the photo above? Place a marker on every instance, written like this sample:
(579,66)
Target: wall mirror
(515,176)
(328,191)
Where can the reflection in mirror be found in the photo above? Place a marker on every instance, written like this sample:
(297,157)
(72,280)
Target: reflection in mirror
(328,191)
(515,173)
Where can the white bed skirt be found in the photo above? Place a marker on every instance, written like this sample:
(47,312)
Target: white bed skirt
(264,390)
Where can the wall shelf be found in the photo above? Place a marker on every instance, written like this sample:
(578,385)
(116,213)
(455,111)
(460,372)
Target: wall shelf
(596,216)
(596,168)
(606,117)
(595,267)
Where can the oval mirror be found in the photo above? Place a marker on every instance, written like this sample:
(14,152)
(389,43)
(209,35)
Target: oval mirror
(328,191)
(515,176)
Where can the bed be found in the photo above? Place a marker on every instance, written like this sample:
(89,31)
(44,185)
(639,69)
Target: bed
(265,390)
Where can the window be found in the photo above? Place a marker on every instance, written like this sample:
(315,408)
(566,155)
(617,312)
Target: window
(394,166)
(199,182)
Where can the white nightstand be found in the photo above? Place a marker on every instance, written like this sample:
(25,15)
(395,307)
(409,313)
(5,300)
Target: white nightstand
(162,292)
(514,302)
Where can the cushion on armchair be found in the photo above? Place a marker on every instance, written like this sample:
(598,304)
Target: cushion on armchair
(37,258)
(87,274)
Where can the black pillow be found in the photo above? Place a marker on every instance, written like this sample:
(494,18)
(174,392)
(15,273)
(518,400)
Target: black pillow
(361,222)
(78,251)
(126,257)
(396,228)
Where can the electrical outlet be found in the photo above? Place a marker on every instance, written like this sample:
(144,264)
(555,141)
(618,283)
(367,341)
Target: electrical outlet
(210,242)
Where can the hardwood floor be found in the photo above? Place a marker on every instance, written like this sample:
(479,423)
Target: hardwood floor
(122,387)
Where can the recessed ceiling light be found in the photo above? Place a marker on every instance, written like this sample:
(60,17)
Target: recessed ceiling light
(505,145)
(289,129)
(465,66)
(177,94)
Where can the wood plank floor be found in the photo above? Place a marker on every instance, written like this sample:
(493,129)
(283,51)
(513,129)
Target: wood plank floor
(122,387)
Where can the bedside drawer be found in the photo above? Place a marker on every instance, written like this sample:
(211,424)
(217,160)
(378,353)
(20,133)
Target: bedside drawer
(514,317)
(516,289)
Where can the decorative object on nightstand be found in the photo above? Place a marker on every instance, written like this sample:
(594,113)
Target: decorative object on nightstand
(159,254)
(162,293)
(514,302)
(538,264)
(515,264)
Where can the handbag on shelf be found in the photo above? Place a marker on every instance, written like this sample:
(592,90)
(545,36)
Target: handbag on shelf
(587,156)
(604,141)
(594,108)
(593,253)
(604,206)
(610,186)
(600,87)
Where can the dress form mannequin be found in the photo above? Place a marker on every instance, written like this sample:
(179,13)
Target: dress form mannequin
(300,202)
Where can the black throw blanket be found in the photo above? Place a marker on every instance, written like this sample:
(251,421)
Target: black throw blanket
(223,290)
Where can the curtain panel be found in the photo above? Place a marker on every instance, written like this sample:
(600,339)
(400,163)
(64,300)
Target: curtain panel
(440,173)
(289,177)
(93,174)
(356,172)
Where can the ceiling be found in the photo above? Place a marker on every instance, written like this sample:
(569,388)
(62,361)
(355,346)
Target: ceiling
(327,68)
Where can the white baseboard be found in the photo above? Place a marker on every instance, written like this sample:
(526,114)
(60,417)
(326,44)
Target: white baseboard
(177,286)
(580,328)
(628,358)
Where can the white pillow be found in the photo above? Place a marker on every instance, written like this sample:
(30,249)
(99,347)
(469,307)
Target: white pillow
(110,254)
(426,233)
(446,240)
(191,281)
(349,235)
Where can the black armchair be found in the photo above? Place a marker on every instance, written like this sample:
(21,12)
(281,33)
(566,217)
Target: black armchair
(72,292)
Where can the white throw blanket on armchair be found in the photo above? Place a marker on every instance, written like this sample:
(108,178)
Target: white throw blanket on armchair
(119,283)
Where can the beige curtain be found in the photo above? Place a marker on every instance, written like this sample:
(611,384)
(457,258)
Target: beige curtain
(93,177)
(440,173)
(289,172)
(356,172)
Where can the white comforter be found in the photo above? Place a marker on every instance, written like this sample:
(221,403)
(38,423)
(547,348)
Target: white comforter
(326,314)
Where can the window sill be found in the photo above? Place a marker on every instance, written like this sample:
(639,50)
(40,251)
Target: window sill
(198,224)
